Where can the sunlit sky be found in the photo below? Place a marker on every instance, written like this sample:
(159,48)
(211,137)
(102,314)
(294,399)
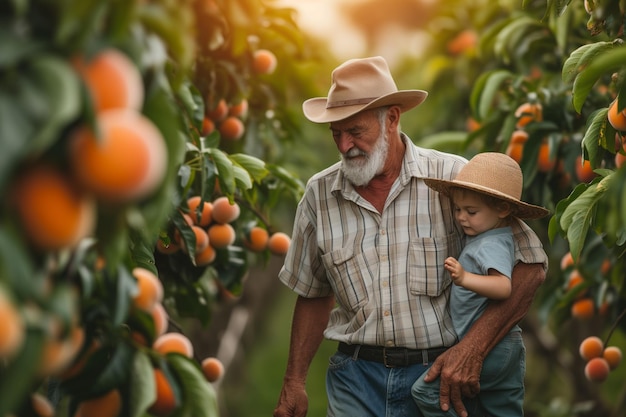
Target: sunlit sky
(323,19)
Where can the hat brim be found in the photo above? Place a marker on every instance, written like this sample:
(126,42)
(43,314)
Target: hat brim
(521,209)
(316,111)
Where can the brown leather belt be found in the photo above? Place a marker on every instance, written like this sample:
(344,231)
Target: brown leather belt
(394,357)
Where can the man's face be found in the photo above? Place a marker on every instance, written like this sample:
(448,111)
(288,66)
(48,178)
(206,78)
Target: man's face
(363,145)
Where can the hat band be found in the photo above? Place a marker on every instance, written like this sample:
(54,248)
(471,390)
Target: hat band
(342,103)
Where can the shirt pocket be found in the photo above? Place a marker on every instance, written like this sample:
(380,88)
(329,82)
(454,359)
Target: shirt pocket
(350,275)
(427,276)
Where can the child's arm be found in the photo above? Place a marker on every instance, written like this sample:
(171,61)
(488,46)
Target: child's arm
(495,285)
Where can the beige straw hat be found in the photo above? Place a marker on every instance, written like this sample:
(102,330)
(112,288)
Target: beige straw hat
(357,85)
(494,174)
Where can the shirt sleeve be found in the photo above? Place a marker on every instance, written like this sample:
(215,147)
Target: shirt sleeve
(303,271)
(496,253)
(528,246)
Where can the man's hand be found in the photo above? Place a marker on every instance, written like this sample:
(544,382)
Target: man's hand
(459,369)
(293,401)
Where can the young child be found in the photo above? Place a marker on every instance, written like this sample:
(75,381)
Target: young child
(486,197)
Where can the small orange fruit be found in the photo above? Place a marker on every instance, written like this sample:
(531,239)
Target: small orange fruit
(528,112)
(566,261)
(149,289)
(574,279)
(206,257)
(107,405)
(12,327)
(165,402)
(264,61)
(583,308)
(613,356)
(173,343)
(256,239)
(221,235)
(219,112)
(208,126)
(591,347)
(112,79)
(205,217)
(519,136)
(464,41)
(617,119)
(279,243)
(584,170)
(545,162)
(126,161)
(212,368)
(239,110)
(59,354)
(224,211)
(53,213)
(597,370)
(160,318)
(232,128)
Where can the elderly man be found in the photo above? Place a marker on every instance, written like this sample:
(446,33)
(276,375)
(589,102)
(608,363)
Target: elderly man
(367,262)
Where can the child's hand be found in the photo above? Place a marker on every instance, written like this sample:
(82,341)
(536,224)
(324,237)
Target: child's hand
(455,269)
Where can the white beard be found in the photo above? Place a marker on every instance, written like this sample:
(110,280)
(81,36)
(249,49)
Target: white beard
(361,171)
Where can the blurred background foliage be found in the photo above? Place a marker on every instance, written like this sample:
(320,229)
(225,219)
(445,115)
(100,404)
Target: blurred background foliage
(532,78)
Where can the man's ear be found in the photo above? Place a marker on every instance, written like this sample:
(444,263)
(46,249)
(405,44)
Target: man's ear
(393,117)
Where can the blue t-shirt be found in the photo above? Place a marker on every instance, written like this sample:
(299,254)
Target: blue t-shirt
(493,249)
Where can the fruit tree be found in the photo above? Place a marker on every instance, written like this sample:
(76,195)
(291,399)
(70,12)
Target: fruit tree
(133,162)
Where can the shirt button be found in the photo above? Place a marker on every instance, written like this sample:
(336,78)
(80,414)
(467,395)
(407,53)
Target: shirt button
(386,313)
(384,258)
(382,232)
(389,343)
(385,283)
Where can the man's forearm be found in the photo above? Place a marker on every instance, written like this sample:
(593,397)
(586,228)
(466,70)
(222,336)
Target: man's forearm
(501,316)
(310,318)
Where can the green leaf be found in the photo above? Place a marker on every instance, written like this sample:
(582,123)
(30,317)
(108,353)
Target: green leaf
(605,63)
(492,86)
(579,59)
(199,396)
(579,215)
(142,386)
(17,376)
(510,35)
(126,288)
(242,178)
(445,141)
(255,166)
(60,88)
(591,141)
(116,372)
(225,170)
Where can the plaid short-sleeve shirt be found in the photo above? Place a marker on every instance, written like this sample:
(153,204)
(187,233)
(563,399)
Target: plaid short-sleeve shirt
(384,269)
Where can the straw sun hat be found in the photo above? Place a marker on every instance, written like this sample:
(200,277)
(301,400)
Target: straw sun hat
(357,85)
(496,175)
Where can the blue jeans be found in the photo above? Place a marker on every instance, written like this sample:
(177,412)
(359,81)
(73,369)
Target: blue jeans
(360,388)
(501,384)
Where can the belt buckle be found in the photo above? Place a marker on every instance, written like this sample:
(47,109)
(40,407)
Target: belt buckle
(387,364)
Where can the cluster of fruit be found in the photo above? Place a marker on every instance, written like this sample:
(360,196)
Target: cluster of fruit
(121,158)
(211,224)
(227,118)
(600,359)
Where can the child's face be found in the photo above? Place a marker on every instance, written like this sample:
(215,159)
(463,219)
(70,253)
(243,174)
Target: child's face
(475,215)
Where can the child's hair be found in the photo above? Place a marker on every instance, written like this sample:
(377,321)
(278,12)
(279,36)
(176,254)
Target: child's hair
(489,200)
